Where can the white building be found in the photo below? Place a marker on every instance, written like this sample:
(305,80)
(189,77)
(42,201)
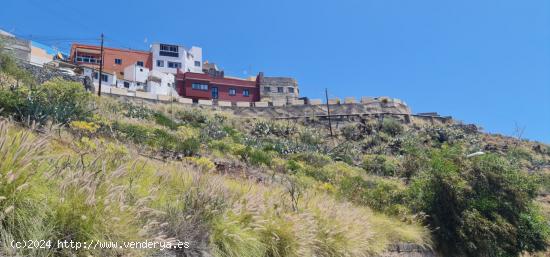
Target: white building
(161,83)
(169,58)
(107,78)
(135,76)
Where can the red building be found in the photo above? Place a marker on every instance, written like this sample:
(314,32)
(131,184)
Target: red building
(115,59)
(204,86)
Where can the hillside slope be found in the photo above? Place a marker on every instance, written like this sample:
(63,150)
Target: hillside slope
(77,167)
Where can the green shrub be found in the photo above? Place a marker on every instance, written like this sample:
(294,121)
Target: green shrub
(384,195)
(57,100)
(131,110)
(8,65)
(138,134)
(380,165)
(392,126)
(480,207)
(255,156)
(312,158)
(163,120)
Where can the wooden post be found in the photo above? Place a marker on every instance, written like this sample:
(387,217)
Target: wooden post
(100,67)
(328,114)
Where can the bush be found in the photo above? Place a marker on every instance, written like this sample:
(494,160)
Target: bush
(480,207)
(392,126)
(58,100)
(162,120)
(380,165)
(384,195)
(8,65)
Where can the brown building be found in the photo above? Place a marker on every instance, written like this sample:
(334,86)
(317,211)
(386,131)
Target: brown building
(115,60)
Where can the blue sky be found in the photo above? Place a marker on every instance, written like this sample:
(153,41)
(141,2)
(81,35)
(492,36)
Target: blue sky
(481,61)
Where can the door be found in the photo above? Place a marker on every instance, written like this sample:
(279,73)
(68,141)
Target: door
(214,93)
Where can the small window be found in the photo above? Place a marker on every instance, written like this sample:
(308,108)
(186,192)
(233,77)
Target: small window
(291,90)
(139,63)
(160,63)
(246,92)
(280,90)
(96,75)
(174,65)
(197,64)
(118,61)
(140,70)
(198,86)
(126,84)
(267,89)
(232,91)
(104,78)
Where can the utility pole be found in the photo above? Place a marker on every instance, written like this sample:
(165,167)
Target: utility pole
(100,67)
(328,114)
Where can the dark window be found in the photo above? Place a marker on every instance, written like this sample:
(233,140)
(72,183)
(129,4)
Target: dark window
(139,63)
(160,63)
(126,84)
(291,90)
(96,75)
(280,89)
(246,92)
(175,65)
(118,61)
(141,70)
(232,91)
(88,59)
(169,50)
(198,86)
(104,77)
(267,89)
(197,63)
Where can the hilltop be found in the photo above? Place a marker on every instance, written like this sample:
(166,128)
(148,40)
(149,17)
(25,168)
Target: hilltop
(83,168)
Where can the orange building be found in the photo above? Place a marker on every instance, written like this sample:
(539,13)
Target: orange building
(115,60)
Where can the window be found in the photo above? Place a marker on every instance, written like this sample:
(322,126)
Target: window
(118,61)
(88,59)
(140,70)
(291,90)
(104,77)
(126,84)
(169,50)
(246,92)
(197,64)
(267,89)
(232,91)
(175,65)
(96,75)
(160,63)
(280,90)
(139,63)
(198,86)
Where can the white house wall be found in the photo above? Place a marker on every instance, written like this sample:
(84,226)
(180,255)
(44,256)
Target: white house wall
(187,64)
(136,73)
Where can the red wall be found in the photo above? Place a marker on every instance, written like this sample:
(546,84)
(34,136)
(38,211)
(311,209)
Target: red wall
(185,81)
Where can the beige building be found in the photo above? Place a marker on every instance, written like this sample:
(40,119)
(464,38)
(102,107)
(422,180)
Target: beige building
(278,89)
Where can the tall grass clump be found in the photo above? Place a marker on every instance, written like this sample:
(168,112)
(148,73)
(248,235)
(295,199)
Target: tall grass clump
(22,213)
